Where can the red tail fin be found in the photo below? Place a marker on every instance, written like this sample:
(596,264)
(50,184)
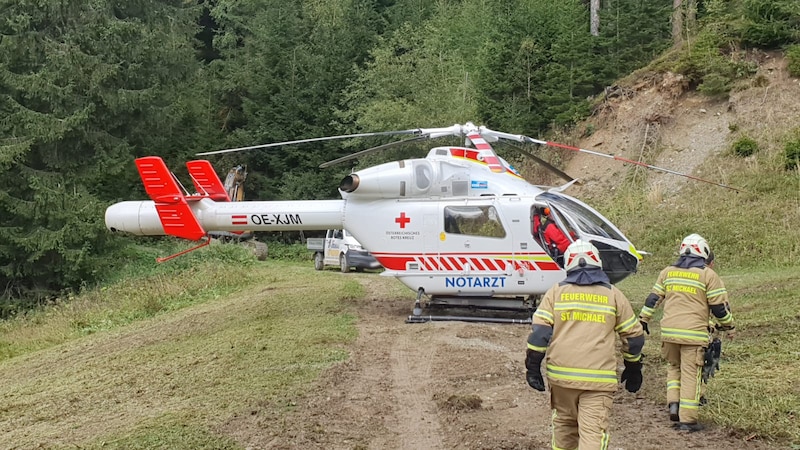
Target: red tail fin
(173,209)
(206,180)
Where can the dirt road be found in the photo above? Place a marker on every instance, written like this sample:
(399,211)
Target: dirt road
(444,385)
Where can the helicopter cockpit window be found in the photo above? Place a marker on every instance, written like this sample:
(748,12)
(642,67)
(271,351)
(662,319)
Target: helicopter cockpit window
(473,221)
(587,220)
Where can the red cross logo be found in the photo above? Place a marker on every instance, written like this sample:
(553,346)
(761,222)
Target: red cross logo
(402,220)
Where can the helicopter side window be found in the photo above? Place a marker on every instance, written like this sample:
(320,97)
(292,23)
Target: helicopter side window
(473,221)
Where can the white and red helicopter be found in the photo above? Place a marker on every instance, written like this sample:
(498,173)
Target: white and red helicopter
(456,226)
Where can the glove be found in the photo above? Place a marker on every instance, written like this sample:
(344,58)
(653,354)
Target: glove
(730,332)
(535,380)
(645,326)
(533,364)
(632,376)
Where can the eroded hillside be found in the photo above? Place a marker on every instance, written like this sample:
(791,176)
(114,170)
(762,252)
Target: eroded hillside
(658,119)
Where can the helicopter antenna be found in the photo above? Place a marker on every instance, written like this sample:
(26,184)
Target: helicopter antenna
(521,138)
(301,141)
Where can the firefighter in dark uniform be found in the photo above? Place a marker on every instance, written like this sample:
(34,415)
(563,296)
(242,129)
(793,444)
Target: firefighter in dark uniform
(688,290)
(575,327)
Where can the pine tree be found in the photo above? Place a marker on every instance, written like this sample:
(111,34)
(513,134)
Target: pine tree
(84,87)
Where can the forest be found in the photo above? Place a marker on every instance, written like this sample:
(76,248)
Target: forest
(88,86)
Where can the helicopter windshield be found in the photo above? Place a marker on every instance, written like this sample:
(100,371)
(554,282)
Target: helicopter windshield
(587,220)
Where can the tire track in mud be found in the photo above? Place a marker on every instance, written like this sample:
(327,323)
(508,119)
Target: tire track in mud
(411,360)
(406,363)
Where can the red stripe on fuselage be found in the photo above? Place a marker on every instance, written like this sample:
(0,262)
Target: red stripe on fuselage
(455,263)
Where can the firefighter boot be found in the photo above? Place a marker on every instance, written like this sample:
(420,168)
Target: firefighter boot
(691,427)
(673,411)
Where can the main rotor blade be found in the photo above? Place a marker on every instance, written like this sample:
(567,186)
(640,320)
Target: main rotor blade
(521,138)
(373,150)
(630,161)
(301,141)
(545,164)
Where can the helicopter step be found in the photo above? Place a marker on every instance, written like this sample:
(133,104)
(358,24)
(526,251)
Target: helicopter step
(513,310)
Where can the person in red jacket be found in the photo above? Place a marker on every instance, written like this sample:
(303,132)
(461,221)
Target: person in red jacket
(545,228)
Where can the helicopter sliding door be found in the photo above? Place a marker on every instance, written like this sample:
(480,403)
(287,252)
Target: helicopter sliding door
(473,235)
(582,222)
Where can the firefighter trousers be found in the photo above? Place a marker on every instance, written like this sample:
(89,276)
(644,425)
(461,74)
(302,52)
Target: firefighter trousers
(684,385)
(580,418)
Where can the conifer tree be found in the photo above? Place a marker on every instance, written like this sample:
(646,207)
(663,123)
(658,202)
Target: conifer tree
(84,87)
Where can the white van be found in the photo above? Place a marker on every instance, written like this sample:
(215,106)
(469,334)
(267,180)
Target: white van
(339,248)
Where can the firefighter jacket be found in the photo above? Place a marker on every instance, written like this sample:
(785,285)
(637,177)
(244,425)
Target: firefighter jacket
(581,353)
(688,293)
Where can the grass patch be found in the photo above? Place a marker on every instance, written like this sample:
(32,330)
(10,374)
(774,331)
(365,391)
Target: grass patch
(166,432)
(196,367)
(756,390)
(146,290)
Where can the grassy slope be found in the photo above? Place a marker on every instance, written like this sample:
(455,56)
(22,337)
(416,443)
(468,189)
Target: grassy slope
(168,380)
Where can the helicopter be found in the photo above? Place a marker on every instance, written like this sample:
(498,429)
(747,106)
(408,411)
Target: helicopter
(456,227)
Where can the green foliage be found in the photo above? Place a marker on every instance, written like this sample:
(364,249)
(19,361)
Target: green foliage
(289,252)
(715,84)
(753,229)
(112,82)
(744,147)
(84,86)
(713,61)
(770,23)
(793,58)
(281,74)
(791,152)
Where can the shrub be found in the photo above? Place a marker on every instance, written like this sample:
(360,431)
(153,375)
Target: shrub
(793,58)
(768,23)
(715,84)
(791,151)
(744,147)
(714,61)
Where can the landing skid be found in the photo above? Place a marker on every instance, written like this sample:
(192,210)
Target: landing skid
(517,310)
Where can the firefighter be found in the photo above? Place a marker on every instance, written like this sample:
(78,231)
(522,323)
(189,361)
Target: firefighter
(575,326)
(688,290)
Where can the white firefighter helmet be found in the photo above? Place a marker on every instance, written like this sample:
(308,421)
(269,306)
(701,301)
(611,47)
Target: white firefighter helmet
(582,254)
(695,245)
